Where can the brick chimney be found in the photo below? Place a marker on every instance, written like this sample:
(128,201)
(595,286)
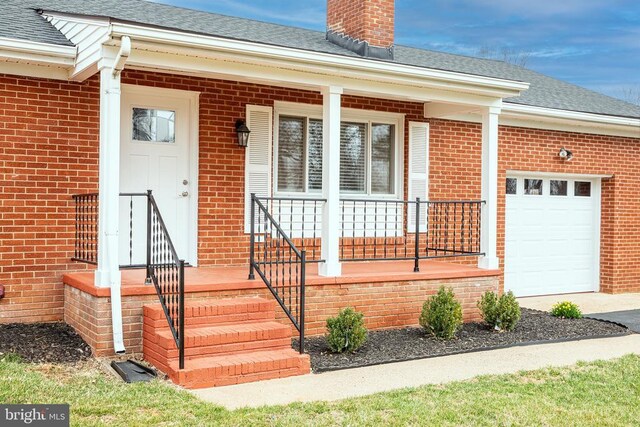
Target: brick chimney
(365,27)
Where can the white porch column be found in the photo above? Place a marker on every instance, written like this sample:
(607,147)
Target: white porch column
(331,182)
(108,272)
(489,226)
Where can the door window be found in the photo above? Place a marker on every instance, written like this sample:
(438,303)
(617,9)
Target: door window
(582,189)
(150,125)
(533,187)
(558,187)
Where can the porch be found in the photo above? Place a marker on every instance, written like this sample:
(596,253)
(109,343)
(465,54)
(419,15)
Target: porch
(389,293)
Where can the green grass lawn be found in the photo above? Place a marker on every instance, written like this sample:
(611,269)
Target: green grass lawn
(597,394)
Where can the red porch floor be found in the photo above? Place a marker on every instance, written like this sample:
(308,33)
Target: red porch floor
(203,279)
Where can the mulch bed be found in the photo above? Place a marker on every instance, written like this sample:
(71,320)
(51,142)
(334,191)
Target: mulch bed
(43,342)
(413,343)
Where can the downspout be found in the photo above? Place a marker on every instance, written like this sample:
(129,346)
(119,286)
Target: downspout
(112,237)
(123,55)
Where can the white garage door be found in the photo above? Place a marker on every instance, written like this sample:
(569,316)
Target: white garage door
(552,235)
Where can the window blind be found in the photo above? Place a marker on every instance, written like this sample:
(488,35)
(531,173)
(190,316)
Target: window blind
(315,155)
(382,158)
(291,168)
(353,157)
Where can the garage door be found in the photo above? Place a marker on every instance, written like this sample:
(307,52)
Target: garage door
(551,235)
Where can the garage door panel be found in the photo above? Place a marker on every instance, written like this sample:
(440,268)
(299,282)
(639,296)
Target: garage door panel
(550,242)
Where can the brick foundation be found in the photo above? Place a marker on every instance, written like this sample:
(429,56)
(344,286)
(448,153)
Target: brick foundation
(389,304)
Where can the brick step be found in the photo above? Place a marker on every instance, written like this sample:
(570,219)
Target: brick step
(239,368)
(212,312)
(219,339)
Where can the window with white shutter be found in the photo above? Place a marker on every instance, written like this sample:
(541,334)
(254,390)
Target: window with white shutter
(257,157)
(418,171)
(371,152)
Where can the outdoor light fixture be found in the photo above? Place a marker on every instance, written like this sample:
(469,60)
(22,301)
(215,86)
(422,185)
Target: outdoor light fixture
(243,133)
(565,154)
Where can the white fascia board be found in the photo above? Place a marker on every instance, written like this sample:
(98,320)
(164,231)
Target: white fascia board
(338,64)
(34,70)
(538,174)
(542,113)
(36,52)
(562,121)
(152,60)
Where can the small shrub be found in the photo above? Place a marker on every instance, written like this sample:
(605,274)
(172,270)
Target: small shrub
(566,310)
(442,314)
(346,331)
(501,313)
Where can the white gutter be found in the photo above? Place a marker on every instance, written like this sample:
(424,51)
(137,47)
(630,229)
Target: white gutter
(501,87)
(116,282)
(551,114)
(123,55)
(42,53)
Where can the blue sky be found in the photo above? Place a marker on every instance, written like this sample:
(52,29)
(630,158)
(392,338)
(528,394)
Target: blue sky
(592,43)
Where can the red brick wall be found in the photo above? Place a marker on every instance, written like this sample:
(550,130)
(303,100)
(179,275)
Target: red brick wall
(385,305)
(367,20)
(48,151)
(222,240)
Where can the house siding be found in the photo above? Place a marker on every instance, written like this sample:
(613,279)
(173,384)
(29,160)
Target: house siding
(49,151)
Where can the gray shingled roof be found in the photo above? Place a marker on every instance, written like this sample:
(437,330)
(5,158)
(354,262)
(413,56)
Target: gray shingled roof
(20,20)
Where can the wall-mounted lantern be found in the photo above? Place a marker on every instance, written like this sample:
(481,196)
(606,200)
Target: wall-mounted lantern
(565,154)
(243,133)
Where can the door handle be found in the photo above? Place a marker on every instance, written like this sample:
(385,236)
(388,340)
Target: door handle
(184,194)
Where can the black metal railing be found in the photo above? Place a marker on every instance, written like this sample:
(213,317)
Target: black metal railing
(149,247)
(86,232)
(278,262)
(388,230)
(452,229)
(166,271)
(300,219)
(374,230)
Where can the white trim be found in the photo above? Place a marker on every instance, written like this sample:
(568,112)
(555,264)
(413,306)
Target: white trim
(536,174)
(41,52)
(33,70)
(313,111)
(527,110)
(524,116)
(194,153)
(259,50)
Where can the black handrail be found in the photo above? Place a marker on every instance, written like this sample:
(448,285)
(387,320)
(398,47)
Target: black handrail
(279,263)
(163,266)
(166,271)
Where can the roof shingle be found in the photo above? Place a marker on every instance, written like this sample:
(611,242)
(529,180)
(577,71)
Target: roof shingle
(20,20)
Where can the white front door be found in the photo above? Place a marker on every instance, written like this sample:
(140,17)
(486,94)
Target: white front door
(551,235)
(154,155)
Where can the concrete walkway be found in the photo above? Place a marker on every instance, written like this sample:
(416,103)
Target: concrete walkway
(344,384)
(592,302)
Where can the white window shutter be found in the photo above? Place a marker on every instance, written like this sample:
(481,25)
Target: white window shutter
(418,172)
(257,176)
